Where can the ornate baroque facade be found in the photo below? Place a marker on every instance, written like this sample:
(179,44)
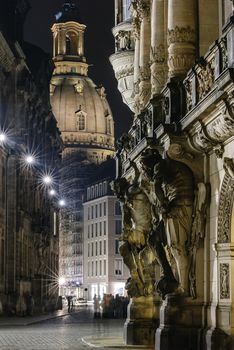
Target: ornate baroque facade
(176,169)
(28,216)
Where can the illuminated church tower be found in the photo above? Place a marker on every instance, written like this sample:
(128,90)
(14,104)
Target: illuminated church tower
(87,128)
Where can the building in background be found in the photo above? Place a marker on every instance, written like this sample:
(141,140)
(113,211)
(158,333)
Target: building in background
(174,62)
(30,148)
(104,270)
(87,129)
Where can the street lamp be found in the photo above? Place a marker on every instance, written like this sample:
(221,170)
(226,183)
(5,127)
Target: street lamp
(62,203)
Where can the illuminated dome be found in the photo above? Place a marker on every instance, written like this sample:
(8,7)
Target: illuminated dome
(82,111)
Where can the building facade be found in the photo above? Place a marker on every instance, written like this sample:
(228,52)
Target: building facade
(30,146)
(87,129)
(175,170)
(104,270)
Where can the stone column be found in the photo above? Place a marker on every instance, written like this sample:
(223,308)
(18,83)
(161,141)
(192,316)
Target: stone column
(181,37)
(158,50)
(144,59)
(136,66)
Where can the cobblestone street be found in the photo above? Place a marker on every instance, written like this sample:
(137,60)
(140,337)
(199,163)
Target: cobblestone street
(74,331)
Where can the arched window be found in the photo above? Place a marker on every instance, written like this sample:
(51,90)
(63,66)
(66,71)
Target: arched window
(81,122)
(71,43)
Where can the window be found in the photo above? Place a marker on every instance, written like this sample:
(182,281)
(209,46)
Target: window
(81,121)
(126,9)
(92,212)
(100,189)
(100,228)
(88,213)
(88,193)
(88,268)
(117,208)
(104,208)
(92,249)
(100,248)
(88,250)
(96,248)
(104,267)
(88,231)
(96,210)
(104,228)
(118,227)
(118,267)
(96,190)
(100,209)
(96,267)
(92,230)
(116,246)
(96,229)
(104,248)
(100,267)
(92,268)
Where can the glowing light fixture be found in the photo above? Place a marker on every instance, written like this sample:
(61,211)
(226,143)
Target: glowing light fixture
(62,281)
(29,159)
(62,203)
(3,137)
(47,180)
(52,192)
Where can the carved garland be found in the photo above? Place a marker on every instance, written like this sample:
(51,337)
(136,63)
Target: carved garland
(181,35)
(225,210)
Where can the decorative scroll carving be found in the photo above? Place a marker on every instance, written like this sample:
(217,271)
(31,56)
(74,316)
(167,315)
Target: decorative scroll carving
(224,281)
(204,143)
(181,35)
(205,79)
(226,203)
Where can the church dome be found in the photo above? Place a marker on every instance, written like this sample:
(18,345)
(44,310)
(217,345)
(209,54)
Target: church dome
(82,111)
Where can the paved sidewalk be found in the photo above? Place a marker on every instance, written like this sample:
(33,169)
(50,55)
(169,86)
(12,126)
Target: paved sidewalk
(28,320)
(110,342)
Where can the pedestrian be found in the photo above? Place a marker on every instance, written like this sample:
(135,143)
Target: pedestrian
(69,304)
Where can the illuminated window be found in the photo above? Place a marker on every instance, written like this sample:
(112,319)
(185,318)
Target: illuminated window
(116,246)
(81,122)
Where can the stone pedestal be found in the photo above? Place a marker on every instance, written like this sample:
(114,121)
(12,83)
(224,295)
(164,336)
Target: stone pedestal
(142,321)
(180,324)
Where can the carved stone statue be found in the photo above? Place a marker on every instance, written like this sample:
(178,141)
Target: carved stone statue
(174,188)
(137,226)
(157,239)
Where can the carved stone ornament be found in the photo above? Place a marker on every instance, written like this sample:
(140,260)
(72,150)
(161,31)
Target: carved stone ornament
(205,79)
(222,127)
(181,35)
(136,19)
(202,142)
(144,8)
(189,96)
(226,203)
(158,54)
(125,71)
(224,281)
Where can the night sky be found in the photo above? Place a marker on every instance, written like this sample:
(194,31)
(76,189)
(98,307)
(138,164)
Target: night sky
(98,16)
